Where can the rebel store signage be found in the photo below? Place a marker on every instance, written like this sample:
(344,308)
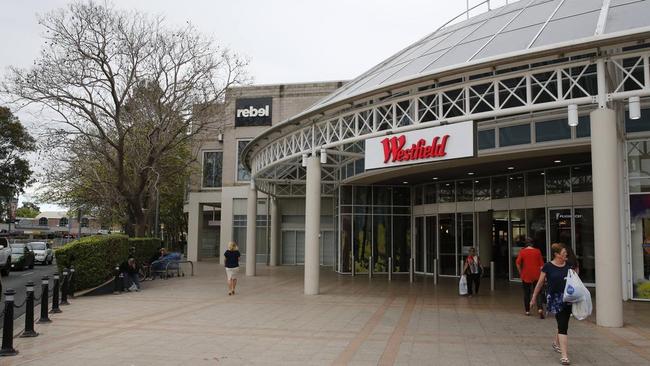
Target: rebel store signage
(253,112)
(427,145)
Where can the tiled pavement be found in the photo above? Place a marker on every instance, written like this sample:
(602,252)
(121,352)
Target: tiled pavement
(356,321)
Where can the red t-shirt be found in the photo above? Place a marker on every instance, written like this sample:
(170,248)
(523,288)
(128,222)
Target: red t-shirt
(530,260)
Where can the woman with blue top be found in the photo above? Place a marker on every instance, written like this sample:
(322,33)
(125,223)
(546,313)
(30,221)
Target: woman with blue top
(232,266)
(555,273)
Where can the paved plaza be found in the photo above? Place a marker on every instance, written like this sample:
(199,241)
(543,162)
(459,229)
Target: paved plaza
(356,321)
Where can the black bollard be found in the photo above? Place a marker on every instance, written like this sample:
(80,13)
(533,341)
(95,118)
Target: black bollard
(29,312)
(117,284)
(64,288)
(8,325)
(45,294)
(71,283)
(55,296)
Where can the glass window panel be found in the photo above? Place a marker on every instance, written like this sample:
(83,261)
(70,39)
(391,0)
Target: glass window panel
(381,195)
(362,242)
(638,125)
(346,242)
(381,228)
(242,172)
(362,195)
(346,195)
(560,226)
(431,233)
(514,135)
(584,236)
(516,185)
(464,191)
(552,130)
(212,168)
(401,243)
(499,187)
(638,159)
(558,180)
(466,233)
(447,248)
(430,193)
(535,183)
(419,244)
(638,185)
(536,221)
(401,196)
(500,239)
(482,189)
(518,235)
(486,139)
(584,127)
(640,240)
(446,192)
(401,210)
(418,195)
(581,178)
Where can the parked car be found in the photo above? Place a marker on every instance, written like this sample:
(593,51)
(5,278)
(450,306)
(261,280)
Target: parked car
(5,257)
(43,253)
(21,256)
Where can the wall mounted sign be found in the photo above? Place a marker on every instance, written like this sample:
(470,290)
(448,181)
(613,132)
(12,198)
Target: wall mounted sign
(446,142)
(253,112)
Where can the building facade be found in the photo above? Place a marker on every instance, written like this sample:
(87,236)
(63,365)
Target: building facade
(217,198)
(528,120)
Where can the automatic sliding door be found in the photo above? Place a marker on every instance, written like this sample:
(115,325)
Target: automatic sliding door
(517,239)
(430,234)
(419,244)
(447,247)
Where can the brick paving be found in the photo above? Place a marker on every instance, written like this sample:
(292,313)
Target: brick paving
(355,321)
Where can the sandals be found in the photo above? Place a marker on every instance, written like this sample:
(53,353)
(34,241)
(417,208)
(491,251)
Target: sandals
(565,361)
(556,348)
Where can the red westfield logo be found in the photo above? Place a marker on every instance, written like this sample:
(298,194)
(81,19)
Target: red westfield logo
(394,149)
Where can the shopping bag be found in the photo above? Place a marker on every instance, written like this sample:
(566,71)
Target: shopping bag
(582,309)
(462,285)
(574,290)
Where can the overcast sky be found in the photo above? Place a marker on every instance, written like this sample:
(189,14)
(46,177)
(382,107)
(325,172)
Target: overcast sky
(286,41)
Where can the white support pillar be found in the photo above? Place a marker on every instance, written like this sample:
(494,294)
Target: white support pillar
(251,230)
(275,231)
(312,226)
(605,160)
(194,226)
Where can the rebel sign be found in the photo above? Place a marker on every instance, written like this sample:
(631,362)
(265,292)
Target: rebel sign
(427,145)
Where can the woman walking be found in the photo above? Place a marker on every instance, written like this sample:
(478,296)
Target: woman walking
(555,273)
(232,266)
(473,270)
(529,264)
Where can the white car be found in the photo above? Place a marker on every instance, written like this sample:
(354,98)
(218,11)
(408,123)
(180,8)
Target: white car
(42,252)
(5,257)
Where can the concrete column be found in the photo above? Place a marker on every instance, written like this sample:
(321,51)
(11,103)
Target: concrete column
(604,160)
(312,226)
(251,230)
(194,227)
(275,231)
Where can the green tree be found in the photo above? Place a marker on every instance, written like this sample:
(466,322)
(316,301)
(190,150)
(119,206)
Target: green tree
(15,173)
(28,209)
(127,91)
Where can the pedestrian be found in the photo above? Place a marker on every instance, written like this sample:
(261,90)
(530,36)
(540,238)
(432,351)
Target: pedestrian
(472,269)
(131,280)
(232,266)
(555,273)
(529,264)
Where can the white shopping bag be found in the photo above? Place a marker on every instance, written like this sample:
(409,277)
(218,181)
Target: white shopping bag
(582,309)
(574,290)
(462,285)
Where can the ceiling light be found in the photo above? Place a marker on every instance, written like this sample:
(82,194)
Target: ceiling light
(511,168)
(470,173)
(557,161)
(634,107)
(475,181)
(405,182)
(573,115)
(435,178)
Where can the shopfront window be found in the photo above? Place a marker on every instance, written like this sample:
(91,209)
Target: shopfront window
(212,168)
(638,164)
(516,186)
(243,175)
(464,191)
(446,192)
(514,135)
(499,187)
(558,180)
(482,189)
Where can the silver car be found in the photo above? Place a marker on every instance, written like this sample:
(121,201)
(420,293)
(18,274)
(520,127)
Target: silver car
(42,252)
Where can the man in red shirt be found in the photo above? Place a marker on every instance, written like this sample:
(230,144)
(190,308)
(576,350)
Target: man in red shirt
(529,263)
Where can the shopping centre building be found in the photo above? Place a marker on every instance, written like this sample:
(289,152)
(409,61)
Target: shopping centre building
(527,120)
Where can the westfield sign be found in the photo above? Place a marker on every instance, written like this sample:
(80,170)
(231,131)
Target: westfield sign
(426,145)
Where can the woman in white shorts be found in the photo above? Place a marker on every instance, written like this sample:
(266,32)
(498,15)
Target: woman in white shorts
(232,266)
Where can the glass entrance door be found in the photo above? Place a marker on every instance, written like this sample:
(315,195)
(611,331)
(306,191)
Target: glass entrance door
(447,244)
(574,227)
(425,244)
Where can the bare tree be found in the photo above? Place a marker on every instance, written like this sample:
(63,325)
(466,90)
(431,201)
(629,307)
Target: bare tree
(128,92)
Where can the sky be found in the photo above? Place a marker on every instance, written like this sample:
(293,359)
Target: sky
(286,41)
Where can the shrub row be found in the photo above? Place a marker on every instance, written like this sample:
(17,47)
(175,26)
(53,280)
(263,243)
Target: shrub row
(95,257)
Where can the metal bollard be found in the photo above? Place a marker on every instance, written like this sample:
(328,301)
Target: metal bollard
(29,312)
(64,288)
(45,294)
(370,267)
(8,325)
(117,284)
(411,270)
(390,268)
(435,271)
(71,282)
(55,295)
(354,270)
(491,275)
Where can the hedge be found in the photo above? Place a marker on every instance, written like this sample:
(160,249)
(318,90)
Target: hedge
(94,257)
